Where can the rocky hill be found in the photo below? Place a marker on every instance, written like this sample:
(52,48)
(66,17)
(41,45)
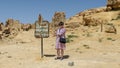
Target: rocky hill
(110,14)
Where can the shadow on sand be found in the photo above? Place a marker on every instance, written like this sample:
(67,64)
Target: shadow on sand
(65,56)
(48,55)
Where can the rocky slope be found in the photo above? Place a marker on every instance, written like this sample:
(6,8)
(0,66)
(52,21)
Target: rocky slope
(97,15)
(110,14)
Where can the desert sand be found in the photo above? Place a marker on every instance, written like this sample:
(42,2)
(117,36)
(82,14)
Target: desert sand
(90,49)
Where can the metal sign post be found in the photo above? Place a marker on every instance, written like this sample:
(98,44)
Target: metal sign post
(42,31)
(42,47)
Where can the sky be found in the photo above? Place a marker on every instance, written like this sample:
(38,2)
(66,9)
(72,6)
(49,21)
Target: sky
(27,11)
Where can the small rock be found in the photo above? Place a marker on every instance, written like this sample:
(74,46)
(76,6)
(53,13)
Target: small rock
(9,56)
(70,63)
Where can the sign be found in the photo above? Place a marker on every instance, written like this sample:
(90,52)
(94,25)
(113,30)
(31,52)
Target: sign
(42,29)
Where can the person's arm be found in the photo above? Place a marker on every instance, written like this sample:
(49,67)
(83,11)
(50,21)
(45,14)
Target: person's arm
(62,32)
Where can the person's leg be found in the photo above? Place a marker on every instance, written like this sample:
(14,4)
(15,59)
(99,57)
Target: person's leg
(58,52)
(62,54)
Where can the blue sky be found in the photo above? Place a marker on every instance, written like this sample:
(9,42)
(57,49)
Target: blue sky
(27,11)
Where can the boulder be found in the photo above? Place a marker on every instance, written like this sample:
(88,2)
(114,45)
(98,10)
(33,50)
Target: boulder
(113,4)
(110,28)
(90,21)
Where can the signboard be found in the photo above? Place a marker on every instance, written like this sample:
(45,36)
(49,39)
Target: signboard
(42,29)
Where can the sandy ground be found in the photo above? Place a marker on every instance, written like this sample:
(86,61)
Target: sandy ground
(88,50)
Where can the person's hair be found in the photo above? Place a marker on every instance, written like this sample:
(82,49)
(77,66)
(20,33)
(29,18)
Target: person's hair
(61,23)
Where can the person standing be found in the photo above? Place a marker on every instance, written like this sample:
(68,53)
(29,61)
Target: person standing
(60,47)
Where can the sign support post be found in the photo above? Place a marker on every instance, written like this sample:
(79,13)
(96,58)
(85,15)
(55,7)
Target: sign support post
(42,47)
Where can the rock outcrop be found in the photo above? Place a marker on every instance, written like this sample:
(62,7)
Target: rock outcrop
(33,26)
(10,23)
(58,17)
(93,21)
(110,28)
(40,19)
(2,26)
(85,17)
(12,28)
(26,27)
(113,4)
(92,11)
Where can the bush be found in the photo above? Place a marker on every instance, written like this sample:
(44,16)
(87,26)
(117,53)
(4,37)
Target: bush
(109,38)
(70,38)
(86,46)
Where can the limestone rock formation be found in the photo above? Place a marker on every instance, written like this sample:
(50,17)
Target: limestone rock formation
(12,28)
(58,17)
(10,23)
(113,4)
(40,19)
(26,27)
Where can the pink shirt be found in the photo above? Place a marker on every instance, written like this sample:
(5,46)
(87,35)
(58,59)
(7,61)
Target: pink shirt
(61,32)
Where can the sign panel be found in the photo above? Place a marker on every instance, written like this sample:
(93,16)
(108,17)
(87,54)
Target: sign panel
(42,29)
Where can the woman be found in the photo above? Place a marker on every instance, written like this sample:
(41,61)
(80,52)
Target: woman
(60,46)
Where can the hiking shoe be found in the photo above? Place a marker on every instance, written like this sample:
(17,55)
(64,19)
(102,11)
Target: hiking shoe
(61,58)
(57,58)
